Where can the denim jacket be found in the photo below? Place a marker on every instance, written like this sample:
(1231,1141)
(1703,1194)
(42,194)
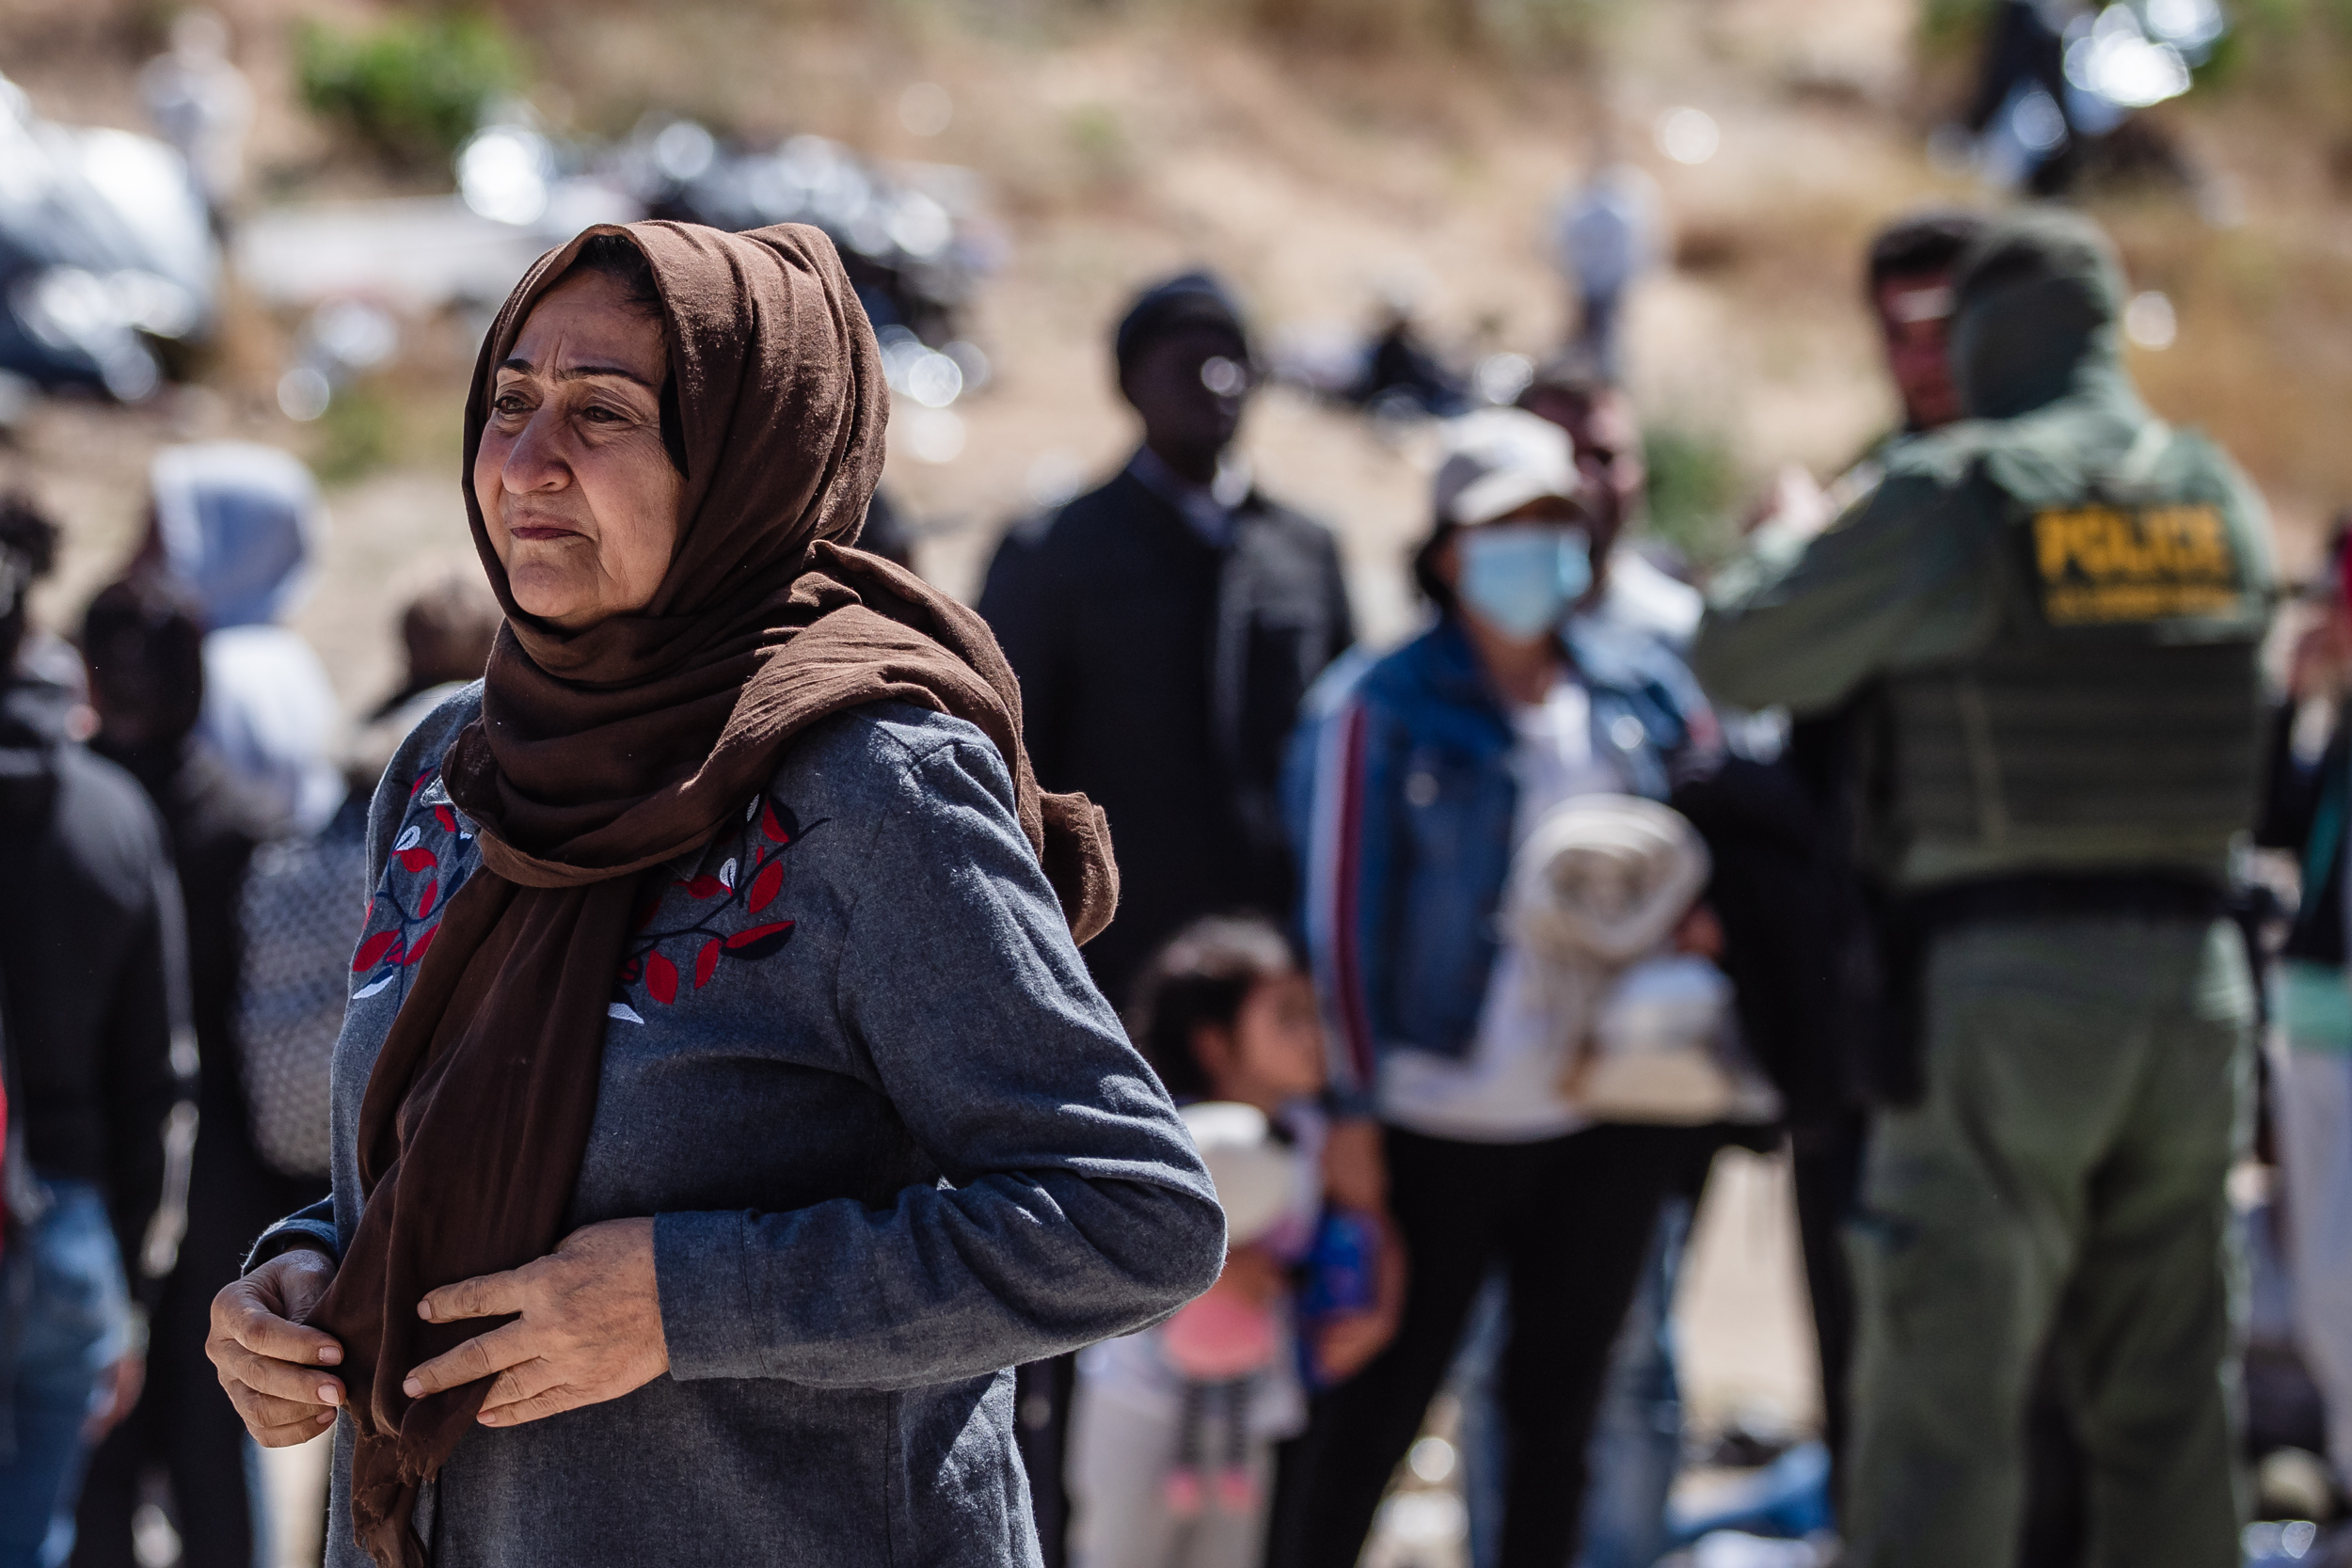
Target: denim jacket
(1401,800)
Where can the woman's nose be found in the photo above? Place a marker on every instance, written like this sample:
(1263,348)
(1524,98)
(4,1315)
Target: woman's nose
(536,461)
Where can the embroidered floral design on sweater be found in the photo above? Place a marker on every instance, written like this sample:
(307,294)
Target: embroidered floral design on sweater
(660,961)
(420,876)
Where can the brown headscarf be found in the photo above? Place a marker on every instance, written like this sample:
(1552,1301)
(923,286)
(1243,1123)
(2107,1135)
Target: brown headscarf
(601,753)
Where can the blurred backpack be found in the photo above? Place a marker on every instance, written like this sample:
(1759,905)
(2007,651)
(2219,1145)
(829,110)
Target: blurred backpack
(304,903)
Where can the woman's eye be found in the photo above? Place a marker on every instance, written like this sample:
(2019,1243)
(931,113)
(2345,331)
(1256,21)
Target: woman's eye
(507,403)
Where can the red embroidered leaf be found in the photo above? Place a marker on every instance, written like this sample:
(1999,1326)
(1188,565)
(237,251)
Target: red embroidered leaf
(757,942)
(770,825)
(661,979)
(630,969)
(416,949)
(372,950)
(422,778)
(425,901)
(705,887)
(766,886)
(417,859)
(446,817)
(705,962)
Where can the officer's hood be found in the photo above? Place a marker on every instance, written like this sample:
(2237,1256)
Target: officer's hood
(2038,361)
(2037,311)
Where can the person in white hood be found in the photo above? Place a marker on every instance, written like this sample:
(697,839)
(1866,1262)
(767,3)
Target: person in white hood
(237,523)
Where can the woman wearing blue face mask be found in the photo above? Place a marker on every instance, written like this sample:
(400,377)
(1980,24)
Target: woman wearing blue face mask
(1412,783)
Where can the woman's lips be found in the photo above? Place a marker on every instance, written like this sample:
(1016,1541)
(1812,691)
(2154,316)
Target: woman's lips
(541,530)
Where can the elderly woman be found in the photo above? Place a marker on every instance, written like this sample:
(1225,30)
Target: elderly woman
(722,1104)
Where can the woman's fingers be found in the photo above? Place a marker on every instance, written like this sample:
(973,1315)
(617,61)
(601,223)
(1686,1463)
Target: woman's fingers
(276,1421)
(549,1403)
(518,1384)
(278,1379)
(241,1314)
(477,1358)
(268,1366)
(294,1434)
(266,1411)
(488,1295)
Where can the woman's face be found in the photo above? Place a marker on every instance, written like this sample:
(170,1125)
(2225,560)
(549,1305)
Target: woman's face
(1518,574)
(577,491)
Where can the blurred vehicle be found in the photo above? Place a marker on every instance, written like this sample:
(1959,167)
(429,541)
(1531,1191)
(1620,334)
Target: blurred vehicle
(910,234)
(2061,81)
(106,251)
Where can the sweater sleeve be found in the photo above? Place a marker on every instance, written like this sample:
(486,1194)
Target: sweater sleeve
(1072,1205)
(1347,824)
(1901,580)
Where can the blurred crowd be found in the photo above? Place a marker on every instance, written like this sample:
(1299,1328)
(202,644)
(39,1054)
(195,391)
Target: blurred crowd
(1954,837)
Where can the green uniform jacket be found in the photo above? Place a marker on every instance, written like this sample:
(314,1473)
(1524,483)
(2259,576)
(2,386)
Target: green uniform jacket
(2061,605)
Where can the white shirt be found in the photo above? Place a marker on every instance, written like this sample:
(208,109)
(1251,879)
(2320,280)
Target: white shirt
(1508,1089)
(1639,598)
(1608,231)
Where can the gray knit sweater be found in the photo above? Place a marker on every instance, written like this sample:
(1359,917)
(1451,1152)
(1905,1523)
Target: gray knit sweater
(893,1139)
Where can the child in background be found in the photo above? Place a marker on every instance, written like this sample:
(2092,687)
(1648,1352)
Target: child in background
(1173,1430)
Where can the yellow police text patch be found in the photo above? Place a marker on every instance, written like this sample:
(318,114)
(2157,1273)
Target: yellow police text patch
(2103,564)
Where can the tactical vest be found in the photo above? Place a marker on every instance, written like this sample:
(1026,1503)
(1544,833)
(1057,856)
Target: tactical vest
(2114,723)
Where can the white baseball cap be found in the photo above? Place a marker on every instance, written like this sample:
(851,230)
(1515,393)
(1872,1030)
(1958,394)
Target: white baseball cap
(1498,460)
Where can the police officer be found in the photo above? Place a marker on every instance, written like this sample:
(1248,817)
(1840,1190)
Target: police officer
(2062,599)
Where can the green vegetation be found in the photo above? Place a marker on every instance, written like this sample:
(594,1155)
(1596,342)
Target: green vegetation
(1693,485)
(355,436)
(412,87)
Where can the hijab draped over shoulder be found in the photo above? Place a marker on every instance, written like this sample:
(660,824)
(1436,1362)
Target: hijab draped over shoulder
(601,753)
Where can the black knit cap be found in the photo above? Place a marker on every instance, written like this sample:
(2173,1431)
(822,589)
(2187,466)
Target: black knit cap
(1188,300)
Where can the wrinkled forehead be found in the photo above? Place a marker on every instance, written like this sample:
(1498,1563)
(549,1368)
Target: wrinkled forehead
(584,324)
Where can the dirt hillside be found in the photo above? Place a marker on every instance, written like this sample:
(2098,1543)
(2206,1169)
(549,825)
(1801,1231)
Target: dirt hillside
(1116,142)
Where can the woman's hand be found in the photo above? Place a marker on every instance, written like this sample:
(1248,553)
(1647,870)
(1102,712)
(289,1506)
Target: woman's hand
(118,1389)
(1355,1169)
(590,1329)
(1345,1345)
(267,1361)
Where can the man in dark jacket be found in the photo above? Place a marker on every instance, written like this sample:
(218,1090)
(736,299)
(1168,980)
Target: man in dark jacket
(1165,626)
(93,976)
(143,644)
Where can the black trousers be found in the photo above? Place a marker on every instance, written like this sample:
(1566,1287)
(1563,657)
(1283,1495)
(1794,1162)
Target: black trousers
(1826,1166)
(1569,1221)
